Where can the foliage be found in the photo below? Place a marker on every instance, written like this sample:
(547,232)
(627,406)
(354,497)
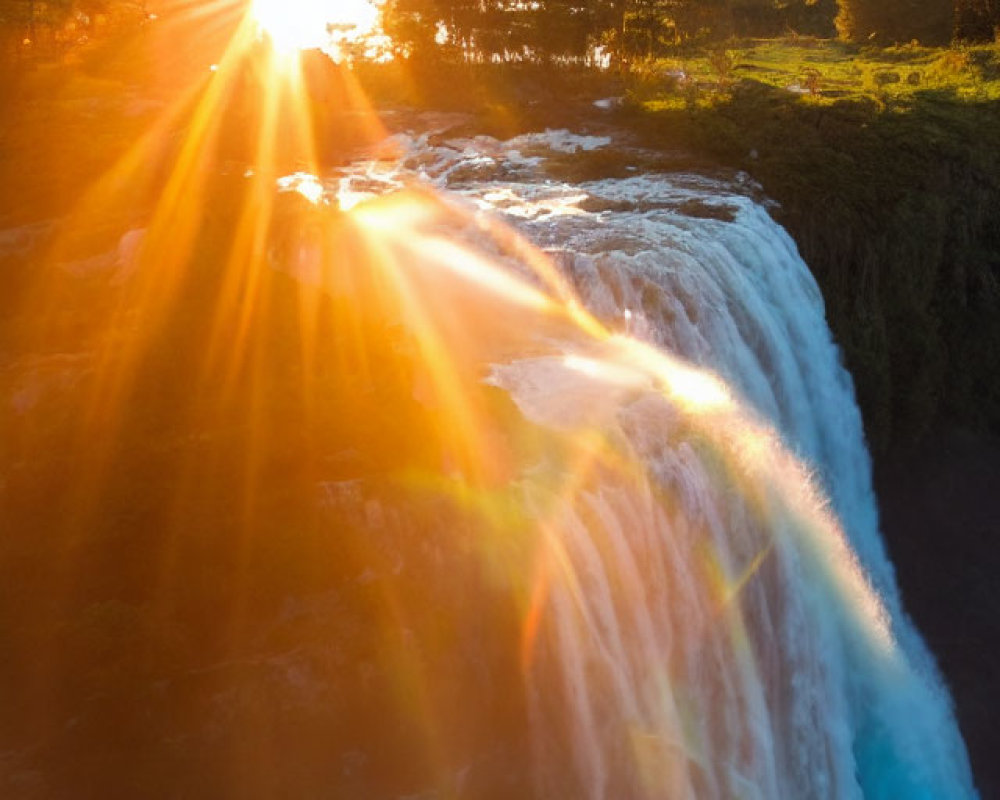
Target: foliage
(509,30)
(46,27)
(891,21)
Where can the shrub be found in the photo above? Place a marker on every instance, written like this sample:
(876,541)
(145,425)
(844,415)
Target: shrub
(890,21)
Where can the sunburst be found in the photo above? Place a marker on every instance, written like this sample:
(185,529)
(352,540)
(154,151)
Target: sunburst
(303,24)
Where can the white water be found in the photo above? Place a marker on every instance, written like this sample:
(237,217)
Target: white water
(710,630)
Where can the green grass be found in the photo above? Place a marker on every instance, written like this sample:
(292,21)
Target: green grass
(823,72)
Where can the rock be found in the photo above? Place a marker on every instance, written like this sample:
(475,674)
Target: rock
(609,103)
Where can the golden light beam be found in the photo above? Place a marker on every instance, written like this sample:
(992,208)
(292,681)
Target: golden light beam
(294,25)
(182,143)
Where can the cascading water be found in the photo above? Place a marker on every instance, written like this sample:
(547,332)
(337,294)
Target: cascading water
(700,624)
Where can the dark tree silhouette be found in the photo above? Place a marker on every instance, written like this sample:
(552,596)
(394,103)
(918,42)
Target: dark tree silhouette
(930,22)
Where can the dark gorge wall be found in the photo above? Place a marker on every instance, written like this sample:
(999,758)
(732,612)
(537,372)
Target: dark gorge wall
(905,243)
(941,515)
(912,294)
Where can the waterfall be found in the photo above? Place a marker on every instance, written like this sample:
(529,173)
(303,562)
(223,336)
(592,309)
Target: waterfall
(713,613)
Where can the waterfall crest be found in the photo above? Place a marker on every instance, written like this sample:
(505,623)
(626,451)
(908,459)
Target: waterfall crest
(712,611)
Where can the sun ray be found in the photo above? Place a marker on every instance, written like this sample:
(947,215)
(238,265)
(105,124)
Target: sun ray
(293,25)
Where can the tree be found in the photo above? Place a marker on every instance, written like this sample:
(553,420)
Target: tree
(977,20)
(412,25)
(564,28)
(929,22)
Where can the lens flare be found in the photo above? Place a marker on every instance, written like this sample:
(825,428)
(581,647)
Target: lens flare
(303,24)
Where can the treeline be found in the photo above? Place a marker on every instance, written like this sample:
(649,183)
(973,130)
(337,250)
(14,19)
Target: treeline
(30,26)
(514,30)
(541,30)
(930,22)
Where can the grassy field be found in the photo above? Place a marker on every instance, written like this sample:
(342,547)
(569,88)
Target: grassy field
(821,72)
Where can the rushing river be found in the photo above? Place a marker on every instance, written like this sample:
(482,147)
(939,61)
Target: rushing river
(715,616)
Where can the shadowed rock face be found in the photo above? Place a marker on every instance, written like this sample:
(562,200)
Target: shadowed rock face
(941,518)
(159,641)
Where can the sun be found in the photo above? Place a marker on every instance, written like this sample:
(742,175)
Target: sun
(303,24)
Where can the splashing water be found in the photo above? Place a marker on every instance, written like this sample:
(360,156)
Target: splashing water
(700,624)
